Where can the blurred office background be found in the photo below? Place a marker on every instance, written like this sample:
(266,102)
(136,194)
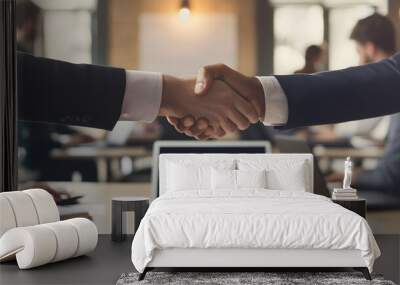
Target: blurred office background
(256,37)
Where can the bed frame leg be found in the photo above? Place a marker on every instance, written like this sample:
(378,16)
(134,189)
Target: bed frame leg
(143,274)
(364,271)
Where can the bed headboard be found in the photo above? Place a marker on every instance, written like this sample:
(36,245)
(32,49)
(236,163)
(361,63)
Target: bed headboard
(197,147)
(272,159)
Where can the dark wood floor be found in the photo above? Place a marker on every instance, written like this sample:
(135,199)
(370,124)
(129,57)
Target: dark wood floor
(110,260)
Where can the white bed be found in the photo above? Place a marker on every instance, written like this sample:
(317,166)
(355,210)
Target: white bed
(202,220)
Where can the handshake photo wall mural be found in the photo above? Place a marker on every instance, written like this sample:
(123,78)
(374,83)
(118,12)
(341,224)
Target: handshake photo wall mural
(218,102)
(146,134)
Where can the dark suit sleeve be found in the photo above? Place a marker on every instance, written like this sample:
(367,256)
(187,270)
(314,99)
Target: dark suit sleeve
(73,94)
(344,95)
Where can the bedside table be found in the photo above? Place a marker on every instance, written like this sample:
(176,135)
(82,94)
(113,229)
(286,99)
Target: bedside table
(358,206)
(124,204)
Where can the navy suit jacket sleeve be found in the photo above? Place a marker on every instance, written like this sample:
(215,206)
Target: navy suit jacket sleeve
(75,94)
(350,94)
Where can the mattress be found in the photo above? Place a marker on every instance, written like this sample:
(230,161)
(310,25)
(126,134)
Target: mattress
(251,219)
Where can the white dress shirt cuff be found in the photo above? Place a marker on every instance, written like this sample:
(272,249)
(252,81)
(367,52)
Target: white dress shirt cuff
(276,106)
(142,99)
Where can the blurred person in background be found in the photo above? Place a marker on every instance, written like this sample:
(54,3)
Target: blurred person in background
(375,40)
(314,60)
(374,37)
(27,22)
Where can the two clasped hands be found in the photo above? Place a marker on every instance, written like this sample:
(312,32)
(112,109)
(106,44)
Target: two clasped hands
(219,101)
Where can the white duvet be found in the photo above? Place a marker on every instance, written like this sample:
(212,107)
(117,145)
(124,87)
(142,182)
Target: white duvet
(250,219)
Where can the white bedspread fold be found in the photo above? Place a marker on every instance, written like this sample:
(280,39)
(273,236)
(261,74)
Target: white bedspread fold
(250,218)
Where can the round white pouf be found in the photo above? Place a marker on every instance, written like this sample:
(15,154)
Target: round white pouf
(37,245)
(87,235)
(67,240)
(23,208)
(7,218)
(45,205)
(34,246)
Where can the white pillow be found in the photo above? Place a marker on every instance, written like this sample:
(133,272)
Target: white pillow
(251,178)
(186,175)
(283,174)
(292,181)
(236,179)
(223,179)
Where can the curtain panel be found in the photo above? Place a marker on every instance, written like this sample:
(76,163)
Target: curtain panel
(8,98)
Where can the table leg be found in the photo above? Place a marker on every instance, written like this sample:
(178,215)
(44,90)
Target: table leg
(102,169)
(116,232)
(115,169)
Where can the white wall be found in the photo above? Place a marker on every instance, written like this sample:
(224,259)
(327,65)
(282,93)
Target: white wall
(169,45)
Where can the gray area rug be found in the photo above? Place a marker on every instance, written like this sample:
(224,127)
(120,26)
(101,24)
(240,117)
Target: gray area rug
(243,278)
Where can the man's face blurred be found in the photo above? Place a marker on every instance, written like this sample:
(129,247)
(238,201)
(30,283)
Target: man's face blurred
(365,52)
